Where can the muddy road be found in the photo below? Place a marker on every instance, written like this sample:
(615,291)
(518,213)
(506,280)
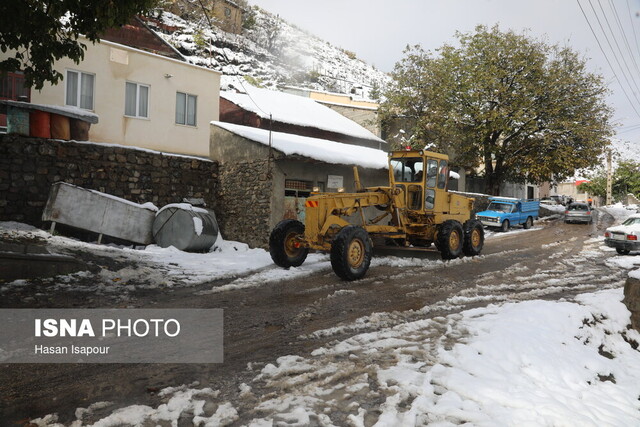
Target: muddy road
(554,260)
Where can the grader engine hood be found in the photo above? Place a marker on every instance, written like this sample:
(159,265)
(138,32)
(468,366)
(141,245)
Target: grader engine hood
(459,204)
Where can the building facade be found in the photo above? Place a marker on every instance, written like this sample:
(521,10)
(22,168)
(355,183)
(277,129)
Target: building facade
(143,99)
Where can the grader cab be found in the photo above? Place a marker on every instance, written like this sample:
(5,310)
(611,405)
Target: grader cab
(414,211)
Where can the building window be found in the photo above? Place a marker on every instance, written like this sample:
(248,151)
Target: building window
(80,89)
(136,102)
(12,86)
(297,188)
(186,108)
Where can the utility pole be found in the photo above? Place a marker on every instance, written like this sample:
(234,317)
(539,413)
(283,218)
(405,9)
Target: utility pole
(609,177)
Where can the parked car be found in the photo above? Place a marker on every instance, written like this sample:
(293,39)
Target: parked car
(624,237)
(578,212)
(548,201)
(505,212)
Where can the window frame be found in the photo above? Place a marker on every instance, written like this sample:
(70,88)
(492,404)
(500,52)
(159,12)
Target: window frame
(79,86)
(186,109)
(137,107)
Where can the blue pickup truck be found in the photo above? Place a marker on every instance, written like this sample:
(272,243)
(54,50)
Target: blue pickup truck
(504,212)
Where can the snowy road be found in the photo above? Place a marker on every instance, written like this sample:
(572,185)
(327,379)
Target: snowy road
(303,348)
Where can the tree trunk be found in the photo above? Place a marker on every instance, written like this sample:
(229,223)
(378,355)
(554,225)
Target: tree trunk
(492,184)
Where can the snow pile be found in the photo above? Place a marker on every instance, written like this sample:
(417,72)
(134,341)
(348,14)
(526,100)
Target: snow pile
(553,208)
(198,404)
(619,211)
(536,362)
(150,266)
(314,148)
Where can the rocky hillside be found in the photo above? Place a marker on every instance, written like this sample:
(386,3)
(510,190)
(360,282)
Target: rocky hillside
(271,53)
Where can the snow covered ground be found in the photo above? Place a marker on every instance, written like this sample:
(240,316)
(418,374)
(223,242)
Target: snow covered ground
(537,362)
(170,267)
(567,362)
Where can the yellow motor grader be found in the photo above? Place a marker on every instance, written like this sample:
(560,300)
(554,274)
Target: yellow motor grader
(415,210)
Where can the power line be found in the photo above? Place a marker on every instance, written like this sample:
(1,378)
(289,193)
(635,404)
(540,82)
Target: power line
(612,51)
(635,36)
(624,35)
(607,59)
(270,155)
(206,15)
(615,41)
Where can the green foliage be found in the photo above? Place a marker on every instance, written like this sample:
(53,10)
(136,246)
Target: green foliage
(199,38)
(597,185)
(314,76)
(516,107)
(375,93)
(625,180)
(253,81)
(350,54)
(37,33)
(249,18)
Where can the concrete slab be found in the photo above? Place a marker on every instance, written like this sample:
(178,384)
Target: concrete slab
(99,212)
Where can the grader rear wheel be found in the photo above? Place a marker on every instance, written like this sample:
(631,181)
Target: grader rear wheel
(351,253)
(473,237)
(285,247)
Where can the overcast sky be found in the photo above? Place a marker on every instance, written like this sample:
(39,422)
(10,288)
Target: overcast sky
(378,30)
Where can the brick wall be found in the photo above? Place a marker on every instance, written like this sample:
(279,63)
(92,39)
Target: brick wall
(28,167)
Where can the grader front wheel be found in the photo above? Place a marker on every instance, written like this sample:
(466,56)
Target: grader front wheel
(351,253)
(285,247)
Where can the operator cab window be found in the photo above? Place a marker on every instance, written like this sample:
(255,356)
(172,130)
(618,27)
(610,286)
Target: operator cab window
(432,172)
(443,172)
(407,169)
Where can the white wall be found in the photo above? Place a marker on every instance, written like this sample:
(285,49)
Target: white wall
(114,65)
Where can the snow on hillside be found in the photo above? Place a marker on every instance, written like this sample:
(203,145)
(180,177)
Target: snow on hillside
(273,52)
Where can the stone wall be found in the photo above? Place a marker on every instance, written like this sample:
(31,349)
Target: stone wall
(245,192)
(632,300)
(28,167)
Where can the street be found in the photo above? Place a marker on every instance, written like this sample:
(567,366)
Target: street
(264,322)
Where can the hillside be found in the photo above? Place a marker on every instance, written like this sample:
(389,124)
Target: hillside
(272,52)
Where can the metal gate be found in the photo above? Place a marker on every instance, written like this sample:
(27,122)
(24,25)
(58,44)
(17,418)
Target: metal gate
(295,197)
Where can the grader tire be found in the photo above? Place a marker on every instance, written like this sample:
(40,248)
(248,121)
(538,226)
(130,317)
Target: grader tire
(450,239)
(351,253)
(473,237)
(283,245)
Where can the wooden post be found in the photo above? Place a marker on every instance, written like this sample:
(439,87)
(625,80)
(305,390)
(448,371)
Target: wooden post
(609,178)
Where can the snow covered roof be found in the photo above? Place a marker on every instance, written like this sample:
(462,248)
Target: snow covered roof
(313,148)
(296,110)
